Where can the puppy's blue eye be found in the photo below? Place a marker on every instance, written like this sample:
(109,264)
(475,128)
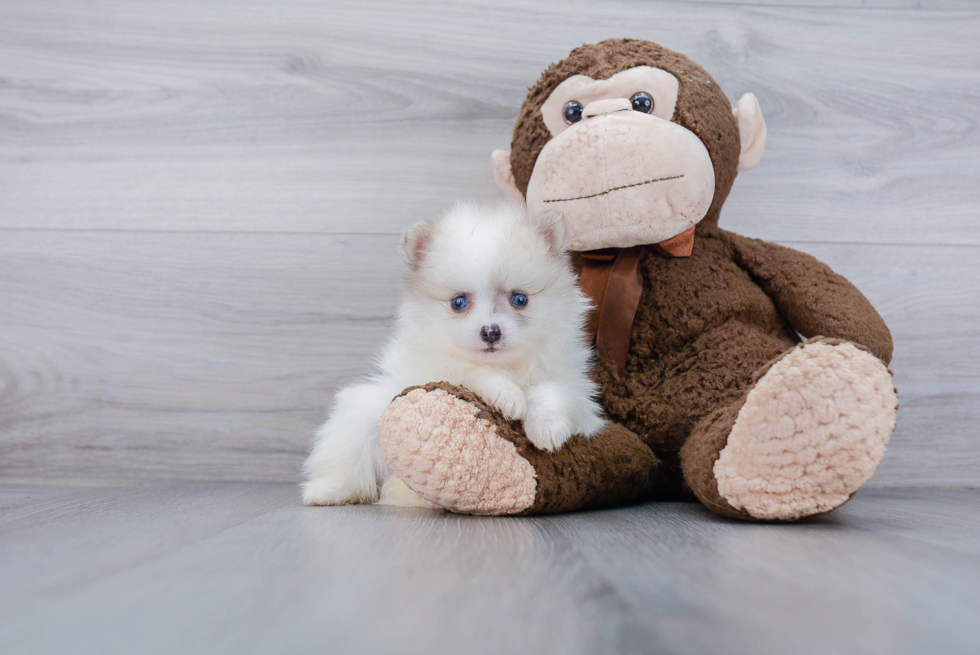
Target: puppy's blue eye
(458,303)
(519,300)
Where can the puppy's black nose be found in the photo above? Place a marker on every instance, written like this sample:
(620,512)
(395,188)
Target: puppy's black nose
(490,333)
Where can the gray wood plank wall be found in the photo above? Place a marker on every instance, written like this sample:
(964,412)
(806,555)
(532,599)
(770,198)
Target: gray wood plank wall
(200,202)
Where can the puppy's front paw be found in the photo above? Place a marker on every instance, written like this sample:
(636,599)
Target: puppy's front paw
(547,430)
(549,421)
(506,397)
(331,491)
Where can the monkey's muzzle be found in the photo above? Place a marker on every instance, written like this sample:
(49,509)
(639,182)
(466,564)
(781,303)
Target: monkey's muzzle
(623,179)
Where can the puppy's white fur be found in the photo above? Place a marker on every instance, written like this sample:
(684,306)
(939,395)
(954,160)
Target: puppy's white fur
(537,371)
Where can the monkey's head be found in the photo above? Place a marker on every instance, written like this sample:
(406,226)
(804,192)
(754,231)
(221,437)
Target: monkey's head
(634,143)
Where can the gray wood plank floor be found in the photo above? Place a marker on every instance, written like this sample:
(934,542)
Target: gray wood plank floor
(199,210)
(200,202)
(194,567)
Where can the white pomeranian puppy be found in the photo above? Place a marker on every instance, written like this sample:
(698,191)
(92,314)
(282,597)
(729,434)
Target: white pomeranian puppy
(492,304)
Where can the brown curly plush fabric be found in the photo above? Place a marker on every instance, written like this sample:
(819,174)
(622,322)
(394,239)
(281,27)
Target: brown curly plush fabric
(706,325)
(612,468)
(701,450)
(716,383)
(702,107)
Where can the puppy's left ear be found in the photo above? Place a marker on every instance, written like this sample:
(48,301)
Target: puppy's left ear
(552,226)
(416,242)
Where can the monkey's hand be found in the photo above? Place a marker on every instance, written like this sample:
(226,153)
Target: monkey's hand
(813,298)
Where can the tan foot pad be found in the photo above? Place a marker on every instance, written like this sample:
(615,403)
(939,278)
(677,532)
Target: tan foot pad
(449,456)
(810,433)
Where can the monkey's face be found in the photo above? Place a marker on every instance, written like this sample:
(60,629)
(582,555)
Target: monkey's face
(616,165)
(633,142)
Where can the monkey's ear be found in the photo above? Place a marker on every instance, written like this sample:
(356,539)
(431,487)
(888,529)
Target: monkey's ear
(751,131)
(416,243)
(552,226)
(504,176)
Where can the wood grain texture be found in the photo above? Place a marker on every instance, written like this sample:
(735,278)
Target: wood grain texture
(914,5)
(203,355)
(289,115)
(243,568)
(199,202)
(194,355)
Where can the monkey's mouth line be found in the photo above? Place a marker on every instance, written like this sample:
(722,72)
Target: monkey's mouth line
(616,188)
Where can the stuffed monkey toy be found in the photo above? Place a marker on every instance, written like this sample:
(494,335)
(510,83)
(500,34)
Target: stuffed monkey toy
(745,373)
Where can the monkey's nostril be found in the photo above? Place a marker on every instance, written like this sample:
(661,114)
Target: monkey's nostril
(490,333)
(607,106)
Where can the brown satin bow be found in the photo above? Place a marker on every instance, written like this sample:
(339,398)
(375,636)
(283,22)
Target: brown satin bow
(613,280)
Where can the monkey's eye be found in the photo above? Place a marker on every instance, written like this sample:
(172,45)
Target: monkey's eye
(458,303)
(642,101)
(519,300)
(572,111)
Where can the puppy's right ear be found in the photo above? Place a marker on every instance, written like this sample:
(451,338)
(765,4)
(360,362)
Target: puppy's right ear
(552,226)
(416,243)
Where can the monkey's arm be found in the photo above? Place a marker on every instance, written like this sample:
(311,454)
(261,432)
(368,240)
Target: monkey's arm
(812,297)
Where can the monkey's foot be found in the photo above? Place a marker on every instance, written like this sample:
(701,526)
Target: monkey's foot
(457,452)
(809,434)
(447,449)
